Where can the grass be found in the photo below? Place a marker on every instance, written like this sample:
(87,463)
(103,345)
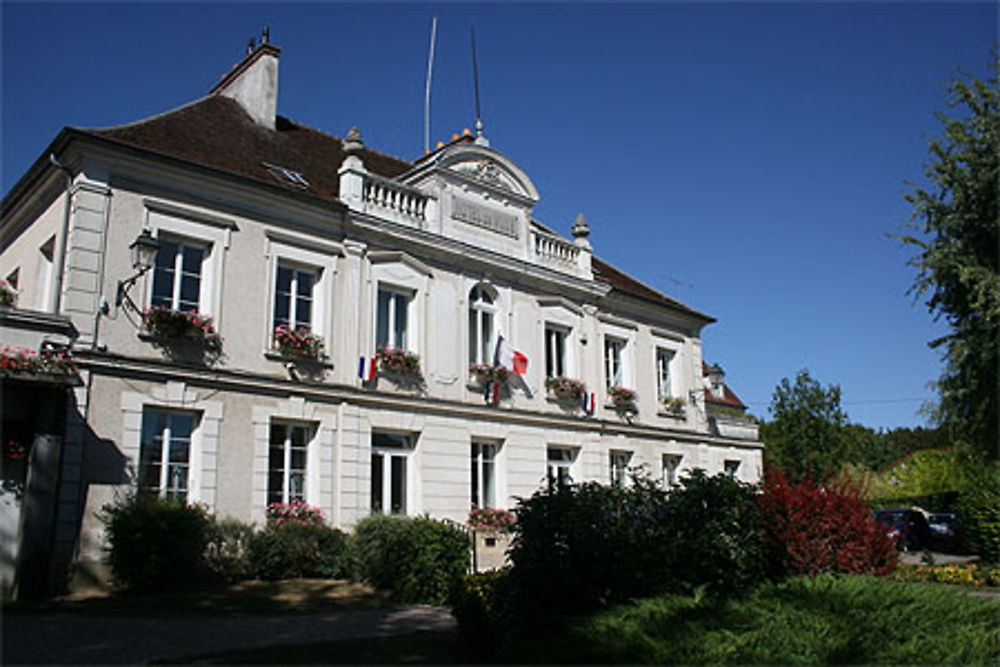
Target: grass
(833,620)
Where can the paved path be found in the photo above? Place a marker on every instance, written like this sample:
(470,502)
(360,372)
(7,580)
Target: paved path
(67,638)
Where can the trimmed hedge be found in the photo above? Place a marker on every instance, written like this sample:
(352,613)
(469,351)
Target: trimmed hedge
(296,551)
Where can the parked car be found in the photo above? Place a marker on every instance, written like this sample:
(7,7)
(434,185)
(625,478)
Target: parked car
(945,527)
(908,528)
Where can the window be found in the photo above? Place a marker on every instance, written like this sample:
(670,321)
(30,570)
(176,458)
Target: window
(390,454)
(619,467)
(560,467)
(288,449)
(391,322)
(481,341)
(288,175)
(165,452)
(555,350)
(731,467)
(293,297)
(484,475)
(671,468)
(177,276)
(664,388)
(613,348)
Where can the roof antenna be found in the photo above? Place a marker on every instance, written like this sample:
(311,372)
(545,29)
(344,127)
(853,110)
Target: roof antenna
(427,88)
(251,46)
(265,35)
(480,137)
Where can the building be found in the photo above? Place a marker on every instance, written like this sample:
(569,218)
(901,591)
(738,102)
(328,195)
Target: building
(266,229)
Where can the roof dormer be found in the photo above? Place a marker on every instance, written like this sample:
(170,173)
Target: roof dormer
(253,82)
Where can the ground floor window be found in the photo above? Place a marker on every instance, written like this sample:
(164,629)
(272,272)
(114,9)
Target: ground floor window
(165,453)
(288,449)
(619,467)
(731,467)
(484,474)
(560,467)
(671,468)
(389,473)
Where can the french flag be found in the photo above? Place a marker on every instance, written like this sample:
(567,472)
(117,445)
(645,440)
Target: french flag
(492,393)
(508,357)
(588,402)
(366,369)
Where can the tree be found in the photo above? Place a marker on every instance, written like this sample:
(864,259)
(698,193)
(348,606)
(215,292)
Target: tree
(957,217)
(806,437)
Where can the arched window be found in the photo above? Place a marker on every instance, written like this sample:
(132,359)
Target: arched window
(481,329)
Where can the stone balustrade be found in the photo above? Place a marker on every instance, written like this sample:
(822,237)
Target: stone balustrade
(387,196)
(554,251)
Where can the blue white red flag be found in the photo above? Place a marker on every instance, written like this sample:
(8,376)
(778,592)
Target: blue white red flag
(367,367)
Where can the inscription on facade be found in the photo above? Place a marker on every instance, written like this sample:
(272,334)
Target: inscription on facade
(480,216)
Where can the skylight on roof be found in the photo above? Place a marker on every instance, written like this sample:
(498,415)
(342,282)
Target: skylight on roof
(288,175)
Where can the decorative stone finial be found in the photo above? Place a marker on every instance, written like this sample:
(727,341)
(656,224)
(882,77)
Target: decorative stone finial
(352,142)
(251,46)
(580,229)
(481,139)
(265,35)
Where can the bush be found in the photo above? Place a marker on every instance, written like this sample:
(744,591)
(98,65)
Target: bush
(482,606)
(417,560)
(227,550)
(811,528)
(297,551)
(979,507)
(156,543)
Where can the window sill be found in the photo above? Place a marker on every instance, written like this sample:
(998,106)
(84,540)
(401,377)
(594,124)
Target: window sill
(671,415)
(299,359)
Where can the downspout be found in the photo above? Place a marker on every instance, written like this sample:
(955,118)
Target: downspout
(56,299)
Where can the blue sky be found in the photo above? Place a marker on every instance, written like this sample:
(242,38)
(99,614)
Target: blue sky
(748,158)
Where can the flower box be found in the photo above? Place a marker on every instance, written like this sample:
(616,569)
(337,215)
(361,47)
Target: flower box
(485,373)
(21,361)
(623,400)
(488,519)
(398,362)
(565,389)
(298,342)
(673,405)
(175,325)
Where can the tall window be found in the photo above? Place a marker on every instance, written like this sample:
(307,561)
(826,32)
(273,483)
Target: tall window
(165,453)
(288,450)
(391,322)
(481,311)
(619,467)
(671,468)
(484,476)
(555,350)
(390,480)
(560,466)
(293,297)
(177,275)
(613,348)
(663,381)
(731,467)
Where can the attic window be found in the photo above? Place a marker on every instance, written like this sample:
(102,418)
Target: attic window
(287,175)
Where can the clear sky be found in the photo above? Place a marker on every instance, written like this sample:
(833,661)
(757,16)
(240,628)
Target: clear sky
(748,158)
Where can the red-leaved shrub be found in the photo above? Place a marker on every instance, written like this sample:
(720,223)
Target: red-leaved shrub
(810,528)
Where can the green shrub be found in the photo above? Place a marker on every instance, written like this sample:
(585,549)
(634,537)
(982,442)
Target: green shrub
(227,550)
(156,543)
(296,551)
(415,559)
(979,506)
(482,606)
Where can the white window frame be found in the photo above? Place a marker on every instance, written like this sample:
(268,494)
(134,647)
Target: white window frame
(479,450)
(614,361)
(557,360)
(286,466)
(671,474)
(731,467)
(622,332)
(559,458)
(394,293)
(178,271)
(618,465)
(387,454)
(665,361)
(166,436)
(294,316)
(304,254)
(481,311)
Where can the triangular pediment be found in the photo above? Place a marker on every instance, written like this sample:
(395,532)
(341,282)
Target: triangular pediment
(478,167)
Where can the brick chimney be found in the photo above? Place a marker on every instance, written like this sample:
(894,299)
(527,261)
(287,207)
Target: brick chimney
(253,82)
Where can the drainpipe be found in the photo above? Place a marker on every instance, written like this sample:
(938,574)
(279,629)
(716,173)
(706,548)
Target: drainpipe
(56,299)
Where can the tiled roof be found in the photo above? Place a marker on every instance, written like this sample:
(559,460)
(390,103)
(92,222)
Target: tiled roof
(728,398)
(216,132)
(605,273)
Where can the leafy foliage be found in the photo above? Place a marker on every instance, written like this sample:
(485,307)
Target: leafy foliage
(415,559)
(155,543)
(928,472)
(979,507)
(957,218)
(483,607)
(806,436)
(227,550)
(813,528)
(291,550)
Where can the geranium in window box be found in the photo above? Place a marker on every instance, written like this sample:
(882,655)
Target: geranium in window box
(623,400)
(673,405)
(8,295)
(21,361)
(565,389)
(484,373)
(488,519)
(397,362)
(176,325)
(294,512)
(298,342)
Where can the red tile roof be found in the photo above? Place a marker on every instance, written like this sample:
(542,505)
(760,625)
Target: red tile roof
(605,273)
(728,398)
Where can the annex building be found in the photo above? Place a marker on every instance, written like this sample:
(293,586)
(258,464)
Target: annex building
(255,311)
